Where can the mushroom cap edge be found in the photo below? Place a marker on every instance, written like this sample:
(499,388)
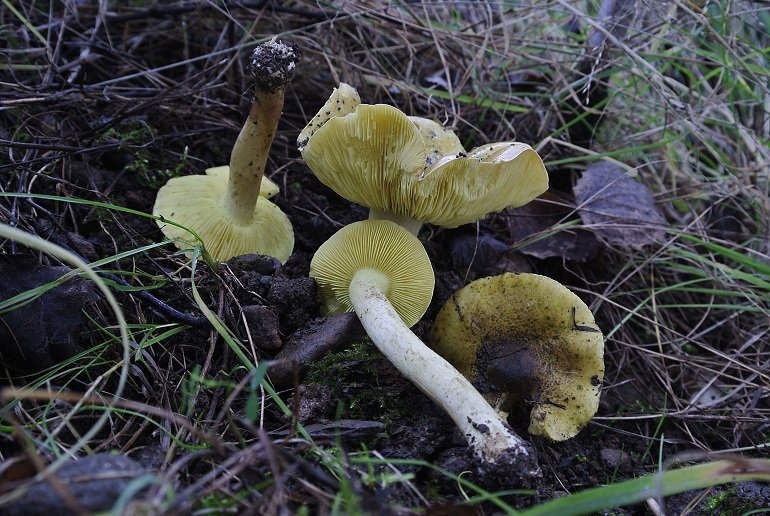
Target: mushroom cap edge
(196,202)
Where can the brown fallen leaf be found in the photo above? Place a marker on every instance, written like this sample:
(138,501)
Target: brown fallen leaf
(621,211)
(469,249)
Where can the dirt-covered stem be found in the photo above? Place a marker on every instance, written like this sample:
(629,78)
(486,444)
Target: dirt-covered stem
(273,65)
(489,437)
(249,155)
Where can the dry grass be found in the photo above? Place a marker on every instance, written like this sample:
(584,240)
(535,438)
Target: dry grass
(676,92)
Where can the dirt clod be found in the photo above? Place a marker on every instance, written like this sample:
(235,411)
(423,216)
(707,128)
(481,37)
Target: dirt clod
(262,326)
(295,301)
(311,342)
(616,460)
(314,402)
(258,263)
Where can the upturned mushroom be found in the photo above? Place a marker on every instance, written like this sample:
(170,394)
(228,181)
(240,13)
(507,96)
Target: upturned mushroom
(526,338)
(223,206)
(380,270)
(412,170)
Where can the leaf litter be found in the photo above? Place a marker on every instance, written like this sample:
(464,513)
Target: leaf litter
(620,210)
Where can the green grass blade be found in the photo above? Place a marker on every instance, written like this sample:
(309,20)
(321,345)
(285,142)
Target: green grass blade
(26,23)
(654,485)
(736,256)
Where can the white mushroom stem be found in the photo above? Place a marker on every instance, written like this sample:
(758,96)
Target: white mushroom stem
(249,155)
(411,225)
(489,437)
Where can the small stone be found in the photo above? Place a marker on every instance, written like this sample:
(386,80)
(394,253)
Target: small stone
(260,263)
(311,342)
(612,458)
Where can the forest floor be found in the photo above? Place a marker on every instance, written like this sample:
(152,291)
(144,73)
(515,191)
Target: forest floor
(102,103)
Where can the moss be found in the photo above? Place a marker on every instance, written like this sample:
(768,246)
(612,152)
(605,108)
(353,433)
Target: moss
(328,370)
(220,502)
(714,502)
(135,136)
(730,501)
(129,132)
(358,380)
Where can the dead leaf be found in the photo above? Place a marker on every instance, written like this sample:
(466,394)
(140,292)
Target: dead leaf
(540,223)
(467,249)
(621,210)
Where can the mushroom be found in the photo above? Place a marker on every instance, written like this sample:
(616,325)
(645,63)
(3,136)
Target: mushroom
(439,140)
(412,170)
(380,270)
(526,337)
(267,188)
(221,207)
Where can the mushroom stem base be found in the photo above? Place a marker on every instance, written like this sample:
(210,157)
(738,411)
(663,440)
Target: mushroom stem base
(491,439)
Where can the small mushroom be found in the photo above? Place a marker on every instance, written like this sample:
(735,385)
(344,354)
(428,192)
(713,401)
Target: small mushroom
(221,206)
(412,170)
(380,270)
(526,337)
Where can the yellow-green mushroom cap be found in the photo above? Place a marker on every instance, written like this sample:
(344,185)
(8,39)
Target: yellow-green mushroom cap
(439,140)
(526,337)
(343,100)
(267,187)
(377,245)
(197,202)
(378,157)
